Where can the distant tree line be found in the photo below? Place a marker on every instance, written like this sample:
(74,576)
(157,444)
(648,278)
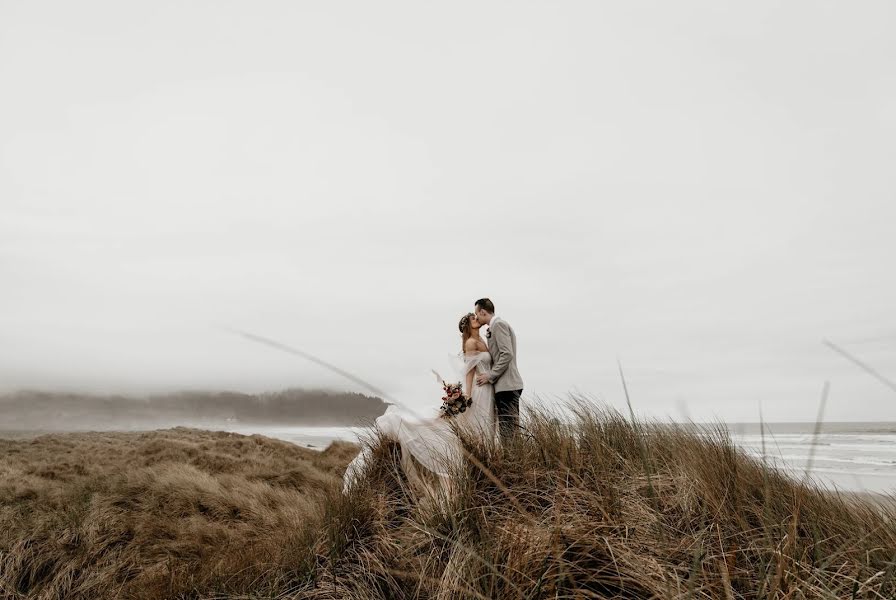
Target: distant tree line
(52,410)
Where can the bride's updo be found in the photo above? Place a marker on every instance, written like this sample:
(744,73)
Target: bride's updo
(466,329)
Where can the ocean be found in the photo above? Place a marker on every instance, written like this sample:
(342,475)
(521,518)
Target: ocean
(848,456)
(845,456)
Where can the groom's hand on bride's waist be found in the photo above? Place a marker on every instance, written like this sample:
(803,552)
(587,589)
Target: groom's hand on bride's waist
(482,379)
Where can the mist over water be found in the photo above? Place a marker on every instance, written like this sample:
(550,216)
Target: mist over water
(649,185)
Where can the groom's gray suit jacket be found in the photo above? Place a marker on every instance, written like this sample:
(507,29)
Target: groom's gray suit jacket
(502,346)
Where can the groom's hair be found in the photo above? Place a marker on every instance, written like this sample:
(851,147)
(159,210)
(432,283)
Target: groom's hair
(486,305)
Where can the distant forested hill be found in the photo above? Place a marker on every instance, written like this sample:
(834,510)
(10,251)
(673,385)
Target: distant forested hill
(53,410)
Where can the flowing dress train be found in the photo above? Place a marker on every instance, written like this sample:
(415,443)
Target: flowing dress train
(429,445)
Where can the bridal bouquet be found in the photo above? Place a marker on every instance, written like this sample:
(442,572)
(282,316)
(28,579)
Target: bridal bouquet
(454,402)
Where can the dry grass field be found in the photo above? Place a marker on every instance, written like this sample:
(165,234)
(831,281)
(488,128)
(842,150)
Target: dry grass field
(158,514)
(607,508)
(598,508)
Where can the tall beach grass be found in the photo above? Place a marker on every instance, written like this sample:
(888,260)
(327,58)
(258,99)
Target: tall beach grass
(597,507)
(604,507)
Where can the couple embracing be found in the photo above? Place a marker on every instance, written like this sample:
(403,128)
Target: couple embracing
(492,376)
(491,385)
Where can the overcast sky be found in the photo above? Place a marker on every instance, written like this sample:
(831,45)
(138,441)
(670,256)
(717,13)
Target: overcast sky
(703,190)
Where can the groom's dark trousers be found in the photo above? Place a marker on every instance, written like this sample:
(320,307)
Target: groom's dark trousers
(507,406)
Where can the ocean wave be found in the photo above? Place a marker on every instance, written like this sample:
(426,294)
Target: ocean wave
(829,471)
(821,440)
(855,460)
(841,450)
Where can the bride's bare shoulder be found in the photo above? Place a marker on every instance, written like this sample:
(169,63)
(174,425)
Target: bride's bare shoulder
(470,345)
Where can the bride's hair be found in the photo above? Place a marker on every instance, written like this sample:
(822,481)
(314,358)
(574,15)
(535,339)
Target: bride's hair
(465,329)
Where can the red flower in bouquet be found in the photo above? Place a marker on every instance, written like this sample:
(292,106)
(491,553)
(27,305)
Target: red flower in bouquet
(454,401)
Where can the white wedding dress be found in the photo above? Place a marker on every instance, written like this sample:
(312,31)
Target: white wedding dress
(429,442)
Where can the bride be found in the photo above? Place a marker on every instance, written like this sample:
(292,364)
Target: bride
(430,445)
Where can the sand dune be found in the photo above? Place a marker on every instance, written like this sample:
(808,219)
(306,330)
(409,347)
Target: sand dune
(599,507)
(145,515)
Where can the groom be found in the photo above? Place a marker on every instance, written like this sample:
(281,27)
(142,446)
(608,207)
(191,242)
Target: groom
(504,374)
